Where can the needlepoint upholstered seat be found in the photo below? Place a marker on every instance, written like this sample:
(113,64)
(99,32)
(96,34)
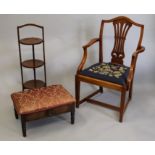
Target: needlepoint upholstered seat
(114,74)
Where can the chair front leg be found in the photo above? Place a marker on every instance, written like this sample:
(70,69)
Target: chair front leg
(122,104)
(77,91)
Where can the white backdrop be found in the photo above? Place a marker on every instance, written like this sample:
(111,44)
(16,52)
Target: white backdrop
(64,37)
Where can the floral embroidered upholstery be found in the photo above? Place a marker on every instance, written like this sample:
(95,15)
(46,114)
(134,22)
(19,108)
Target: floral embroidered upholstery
(115,73)
(41,99)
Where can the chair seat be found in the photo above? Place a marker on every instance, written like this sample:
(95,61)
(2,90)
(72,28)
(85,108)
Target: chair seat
(114,73)
(41,99)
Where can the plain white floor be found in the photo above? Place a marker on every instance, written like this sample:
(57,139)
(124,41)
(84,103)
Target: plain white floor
(91,122)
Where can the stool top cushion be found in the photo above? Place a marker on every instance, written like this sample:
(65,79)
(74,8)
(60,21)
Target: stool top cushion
(41,99)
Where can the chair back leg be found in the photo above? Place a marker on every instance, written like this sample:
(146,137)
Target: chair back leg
(77,91)
(122,104)
(130,91)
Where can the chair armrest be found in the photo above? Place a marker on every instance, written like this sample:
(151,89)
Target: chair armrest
(140,50)
(133,64)
(83,61)
(91,42)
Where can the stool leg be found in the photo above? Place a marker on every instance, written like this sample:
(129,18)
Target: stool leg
(72,114)
(16,115)
(23,122)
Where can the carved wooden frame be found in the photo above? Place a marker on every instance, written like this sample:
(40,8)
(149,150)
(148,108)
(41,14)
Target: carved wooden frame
(121,27)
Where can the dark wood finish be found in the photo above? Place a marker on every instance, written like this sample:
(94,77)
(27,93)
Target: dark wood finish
(77,91)
(34,63)
(23,123)
(103,104)
(31,41)
(44,56)
(89,96)
(122,104)
(101,89)
(34,70)
(47,113)
(16,115)
(99,82)
(72,114)
(121,26)
(34,84)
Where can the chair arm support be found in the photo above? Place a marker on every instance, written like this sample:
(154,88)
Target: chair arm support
(130,76)
(91,42)
(133,64)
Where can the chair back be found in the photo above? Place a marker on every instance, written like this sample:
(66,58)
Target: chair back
(121,26)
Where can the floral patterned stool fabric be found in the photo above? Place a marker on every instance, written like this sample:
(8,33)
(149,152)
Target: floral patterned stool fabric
(42,102)
(115,73)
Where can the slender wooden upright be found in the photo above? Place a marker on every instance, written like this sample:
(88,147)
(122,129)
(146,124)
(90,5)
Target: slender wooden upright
(32,63)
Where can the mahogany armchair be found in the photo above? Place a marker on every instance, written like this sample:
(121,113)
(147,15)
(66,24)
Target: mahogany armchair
(114,75)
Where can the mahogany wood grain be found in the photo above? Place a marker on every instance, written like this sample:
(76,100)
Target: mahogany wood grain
(31,41)
(47,113)
(33,63)
(34,84)
(121,27)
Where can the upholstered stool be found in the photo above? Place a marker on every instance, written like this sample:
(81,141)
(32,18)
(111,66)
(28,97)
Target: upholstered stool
(43,102)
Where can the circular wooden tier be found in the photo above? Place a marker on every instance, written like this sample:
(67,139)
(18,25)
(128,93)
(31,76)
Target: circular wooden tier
(31,41)
(30,64)
(34,84)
